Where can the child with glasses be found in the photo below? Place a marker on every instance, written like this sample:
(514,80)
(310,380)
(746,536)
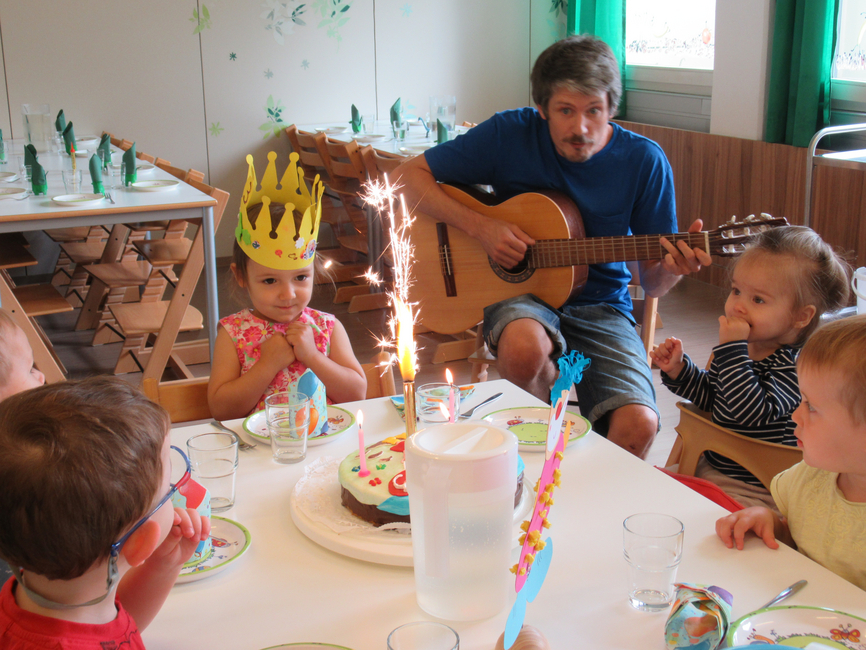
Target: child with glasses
(86,470)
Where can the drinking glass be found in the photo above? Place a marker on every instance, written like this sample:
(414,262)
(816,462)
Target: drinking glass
(431,399)
(400,129)
(368,124)
(72,180)
(444,108)
(4,152)
(214,461)
(38,125)
(117,172)
(423,635)
(25,173)
(288,417)
(652,544)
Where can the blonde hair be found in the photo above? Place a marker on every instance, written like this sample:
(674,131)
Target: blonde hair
(817,274)
(840,346)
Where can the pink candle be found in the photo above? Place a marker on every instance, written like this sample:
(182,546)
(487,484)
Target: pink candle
(361,451)
(452,410)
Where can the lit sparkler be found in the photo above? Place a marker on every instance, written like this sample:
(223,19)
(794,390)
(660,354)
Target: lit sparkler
(382,196)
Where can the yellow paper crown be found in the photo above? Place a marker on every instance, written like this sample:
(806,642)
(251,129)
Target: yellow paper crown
(280,248)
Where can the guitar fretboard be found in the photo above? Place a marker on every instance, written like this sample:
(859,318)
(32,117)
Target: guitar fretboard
(546,253)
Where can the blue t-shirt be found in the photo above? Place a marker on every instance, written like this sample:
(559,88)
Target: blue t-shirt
(627,188)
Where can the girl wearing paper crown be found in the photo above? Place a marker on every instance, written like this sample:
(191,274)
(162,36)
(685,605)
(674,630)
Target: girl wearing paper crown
(280,344)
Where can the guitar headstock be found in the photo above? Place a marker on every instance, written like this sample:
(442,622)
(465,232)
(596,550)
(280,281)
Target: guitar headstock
(729,240)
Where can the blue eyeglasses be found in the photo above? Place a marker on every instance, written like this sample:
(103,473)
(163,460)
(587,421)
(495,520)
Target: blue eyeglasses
(174,487)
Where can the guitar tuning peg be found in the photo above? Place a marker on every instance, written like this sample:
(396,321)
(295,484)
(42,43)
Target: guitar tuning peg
(732,249)
(766,217)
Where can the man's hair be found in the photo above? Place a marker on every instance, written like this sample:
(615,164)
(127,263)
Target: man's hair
(80,463)
(815,272)
(840,347)
(7,327)
(581,63)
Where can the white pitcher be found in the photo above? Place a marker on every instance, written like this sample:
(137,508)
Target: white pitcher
(461,480)
(858,284)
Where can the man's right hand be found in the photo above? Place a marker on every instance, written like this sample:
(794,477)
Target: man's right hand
(504,242)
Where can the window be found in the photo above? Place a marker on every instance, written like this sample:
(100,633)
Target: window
(850,60)
(671,33)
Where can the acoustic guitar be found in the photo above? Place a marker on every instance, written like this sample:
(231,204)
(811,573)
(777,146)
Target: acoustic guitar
(454,279)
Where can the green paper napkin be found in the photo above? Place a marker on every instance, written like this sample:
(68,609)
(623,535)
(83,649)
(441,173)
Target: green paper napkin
(356,120)
(397,112)
(129,159)
(60,122)
(96,174)
(69,138)
(441,132)
(30,155)
(105,145)
(40,184)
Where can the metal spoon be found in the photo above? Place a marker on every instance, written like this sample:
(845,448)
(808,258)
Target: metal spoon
(468,413)
(782,595)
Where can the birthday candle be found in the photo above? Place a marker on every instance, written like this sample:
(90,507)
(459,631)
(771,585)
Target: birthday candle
(452,410)
(361,451)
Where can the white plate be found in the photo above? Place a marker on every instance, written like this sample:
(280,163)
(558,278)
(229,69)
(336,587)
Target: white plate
(144,168)
(79,200)
(8,177)
(529,424)
(230,541)
(331,129)
(11,192)
(87,141)
(797,626)
(83,153)
(415,149)
(371,545)
(365,138)
(339,421)
(155,186)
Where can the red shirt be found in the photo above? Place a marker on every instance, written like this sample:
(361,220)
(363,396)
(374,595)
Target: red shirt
(23,630)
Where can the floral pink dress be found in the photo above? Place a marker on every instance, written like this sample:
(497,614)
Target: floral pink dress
(249,332)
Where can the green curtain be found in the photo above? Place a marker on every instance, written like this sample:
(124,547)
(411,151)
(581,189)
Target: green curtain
(804,39)
(605,19)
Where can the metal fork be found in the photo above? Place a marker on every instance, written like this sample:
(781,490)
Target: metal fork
(108,196)
(242,444)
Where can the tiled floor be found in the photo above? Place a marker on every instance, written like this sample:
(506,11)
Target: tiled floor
(689,312)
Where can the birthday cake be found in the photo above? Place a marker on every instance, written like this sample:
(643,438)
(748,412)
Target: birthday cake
(380,497)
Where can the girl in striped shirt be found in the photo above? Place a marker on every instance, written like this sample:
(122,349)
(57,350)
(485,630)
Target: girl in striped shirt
(781,284)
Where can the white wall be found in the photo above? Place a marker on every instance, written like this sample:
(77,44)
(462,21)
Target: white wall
(139,71)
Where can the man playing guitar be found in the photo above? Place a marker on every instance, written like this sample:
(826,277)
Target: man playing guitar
(622,184)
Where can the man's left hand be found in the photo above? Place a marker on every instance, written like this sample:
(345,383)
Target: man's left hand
(682,260)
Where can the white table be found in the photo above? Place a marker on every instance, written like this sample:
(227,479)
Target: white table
(415,136)
(41,213)
(288,589)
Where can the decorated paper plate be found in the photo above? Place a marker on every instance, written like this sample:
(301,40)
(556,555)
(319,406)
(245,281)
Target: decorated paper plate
(369,137)
(230,541)
(144,168)
(414,149)
(307,646)
(529,424)
(798,626)
(79,200)
(330,130)
(11,192)
(339,421)
(8,177)
(397,400)
(156,186)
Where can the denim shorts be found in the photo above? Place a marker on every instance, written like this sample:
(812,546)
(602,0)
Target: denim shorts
(619,374)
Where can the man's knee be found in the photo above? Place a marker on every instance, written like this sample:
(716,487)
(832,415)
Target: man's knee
(524,349)
(633,427)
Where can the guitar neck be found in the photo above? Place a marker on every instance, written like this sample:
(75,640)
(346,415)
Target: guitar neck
(547,253)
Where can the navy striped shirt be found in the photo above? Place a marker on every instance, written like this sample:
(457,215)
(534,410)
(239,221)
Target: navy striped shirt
(753,398)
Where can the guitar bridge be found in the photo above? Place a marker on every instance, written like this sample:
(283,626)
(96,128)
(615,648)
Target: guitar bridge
(445,259)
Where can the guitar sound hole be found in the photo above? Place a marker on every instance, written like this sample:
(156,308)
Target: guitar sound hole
(519,273)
